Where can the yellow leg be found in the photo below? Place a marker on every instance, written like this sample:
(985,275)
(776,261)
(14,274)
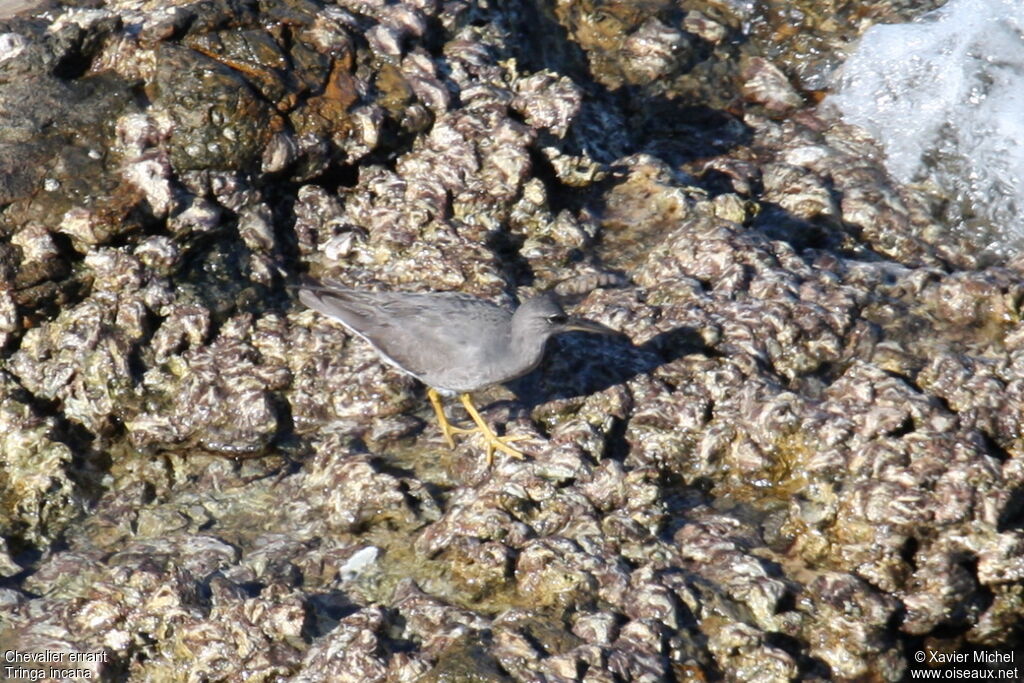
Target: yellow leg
(446,427)
(493,440)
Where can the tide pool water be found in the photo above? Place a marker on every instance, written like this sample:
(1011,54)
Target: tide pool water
(944,96)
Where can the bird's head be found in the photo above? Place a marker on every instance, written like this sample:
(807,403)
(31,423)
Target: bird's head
(543,317)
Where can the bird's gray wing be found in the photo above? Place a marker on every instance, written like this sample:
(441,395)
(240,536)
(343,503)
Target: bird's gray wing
(356,309)
(435,337)
(442,338)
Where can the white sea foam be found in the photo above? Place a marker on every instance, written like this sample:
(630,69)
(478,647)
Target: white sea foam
(945,98)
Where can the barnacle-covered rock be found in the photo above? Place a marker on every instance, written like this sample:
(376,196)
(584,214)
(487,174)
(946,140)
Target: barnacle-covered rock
(37,497)
(847,626)
(215,397)
(9,322)
(548,101)
(360,495)
(82,359)
(153,588)
(626,43)
(40,259)
(765,84)
(806,464)
(350,651)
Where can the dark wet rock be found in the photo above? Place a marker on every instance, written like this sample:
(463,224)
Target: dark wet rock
(57,157)
(217,121)
(805,463)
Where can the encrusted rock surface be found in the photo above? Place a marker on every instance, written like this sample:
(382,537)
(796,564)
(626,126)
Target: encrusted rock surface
(807,464)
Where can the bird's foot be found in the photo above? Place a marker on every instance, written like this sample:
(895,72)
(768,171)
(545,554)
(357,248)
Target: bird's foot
(501,443)
(448,429)
(492,441)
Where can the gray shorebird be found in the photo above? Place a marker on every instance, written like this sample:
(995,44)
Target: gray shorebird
(454,343)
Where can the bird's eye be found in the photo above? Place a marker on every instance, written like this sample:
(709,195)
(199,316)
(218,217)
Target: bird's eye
(558,319)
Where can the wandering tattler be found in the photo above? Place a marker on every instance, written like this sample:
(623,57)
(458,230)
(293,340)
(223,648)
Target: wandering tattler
(454,343)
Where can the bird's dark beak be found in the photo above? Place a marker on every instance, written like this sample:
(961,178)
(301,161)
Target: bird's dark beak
(574,324)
